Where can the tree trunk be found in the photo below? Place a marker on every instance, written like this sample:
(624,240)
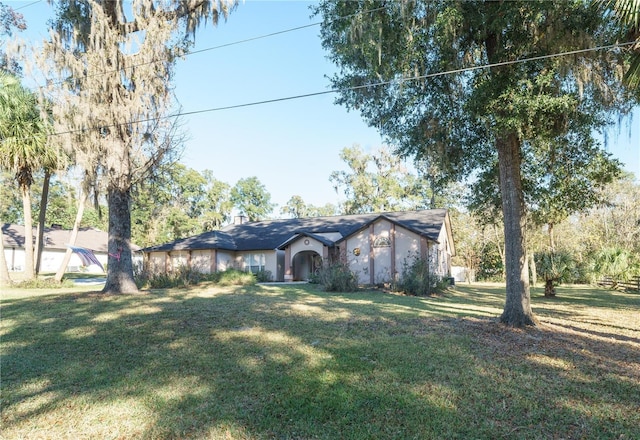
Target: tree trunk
(74,235)
(517,310)
(41,218)
(549,290)
(120,265)
(29,273)
(501,251)
(533,269)
(5,279)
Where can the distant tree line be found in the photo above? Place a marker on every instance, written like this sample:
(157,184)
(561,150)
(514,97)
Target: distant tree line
(588,245)
(176,201)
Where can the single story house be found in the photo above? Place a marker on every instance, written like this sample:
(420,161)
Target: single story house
(89,242)
(375,246)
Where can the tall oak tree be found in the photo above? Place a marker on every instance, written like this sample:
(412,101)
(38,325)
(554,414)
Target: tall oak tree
(469,85)
(115,59)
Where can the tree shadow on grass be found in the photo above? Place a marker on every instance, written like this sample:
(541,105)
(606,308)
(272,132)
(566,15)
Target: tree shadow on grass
(267,362)
(580,387)
(590,296)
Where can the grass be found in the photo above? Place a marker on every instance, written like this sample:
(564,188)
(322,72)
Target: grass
(294,362)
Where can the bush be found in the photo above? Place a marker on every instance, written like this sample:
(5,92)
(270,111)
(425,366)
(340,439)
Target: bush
(234,277)
(490,267)
(314,278)
(416,279)
(555,267)
(185,277)
(43,283)
(337,277)
(264,276)
(616,263)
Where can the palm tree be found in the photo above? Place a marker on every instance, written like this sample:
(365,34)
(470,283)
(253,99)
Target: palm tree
(554,267)
(627,12)
(24,148)
(615,263)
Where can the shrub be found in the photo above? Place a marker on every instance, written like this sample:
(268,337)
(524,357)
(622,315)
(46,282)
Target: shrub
(314,278)
(337,277)
(234,277)
(185,277)
(416,279)
(264,276)
(43,283)
(490,267)
(555,267)
(616,263)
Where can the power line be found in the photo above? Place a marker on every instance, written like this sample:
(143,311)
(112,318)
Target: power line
(234,43)
(413,78)
(284,31)
(246,40)
(364,86)
(26,6)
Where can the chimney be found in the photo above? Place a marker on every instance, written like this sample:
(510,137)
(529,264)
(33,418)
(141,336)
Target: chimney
(239,219)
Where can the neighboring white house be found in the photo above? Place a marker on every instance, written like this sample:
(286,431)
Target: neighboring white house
(375,246)
(55,246)
(463,274)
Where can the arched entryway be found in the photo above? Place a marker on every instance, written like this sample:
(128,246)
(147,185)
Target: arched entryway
(304,264)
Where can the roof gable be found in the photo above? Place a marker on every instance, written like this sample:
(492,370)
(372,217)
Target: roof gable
(326,238)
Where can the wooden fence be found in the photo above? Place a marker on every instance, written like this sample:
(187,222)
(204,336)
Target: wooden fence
(632,285)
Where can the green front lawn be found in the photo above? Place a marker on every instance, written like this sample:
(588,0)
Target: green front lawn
(294,362)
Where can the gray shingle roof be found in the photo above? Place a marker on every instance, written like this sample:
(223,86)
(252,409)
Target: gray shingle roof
(207,240)
(270,234)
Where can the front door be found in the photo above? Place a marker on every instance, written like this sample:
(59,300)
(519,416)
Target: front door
(304,264)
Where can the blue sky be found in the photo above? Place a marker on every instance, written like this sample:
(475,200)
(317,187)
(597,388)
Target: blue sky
(290,146)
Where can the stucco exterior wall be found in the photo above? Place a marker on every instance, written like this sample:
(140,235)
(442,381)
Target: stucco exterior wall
(157,262)
(407,248)
(271,263)
(359,264)
(444,254)
(306,244)
(225,261)
(201,260)
(178,259)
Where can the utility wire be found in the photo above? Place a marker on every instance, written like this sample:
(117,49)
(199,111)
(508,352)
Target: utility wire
(234,43)
(27,5)
(364,86)
(246,40)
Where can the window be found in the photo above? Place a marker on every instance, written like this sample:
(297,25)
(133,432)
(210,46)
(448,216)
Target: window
(254,262)
(382,241)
